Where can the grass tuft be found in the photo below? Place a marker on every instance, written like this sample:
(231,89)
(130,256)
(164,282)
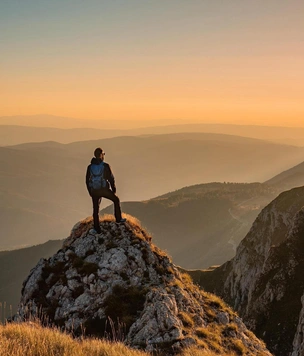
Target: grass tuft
(31,339)
(186,319)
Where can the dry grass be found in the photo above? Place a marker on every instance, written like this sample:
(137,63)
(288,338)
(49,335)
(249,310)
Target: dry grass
(212,300)
(186,319)
(31,339)
(134,222)
(87,223)
(105,218)
(83,226)
(194,351)
(186,278)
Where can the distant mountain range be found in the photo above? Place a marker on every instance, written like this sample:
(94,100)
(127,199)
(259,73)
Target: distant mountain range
(43,188)
(62,122)
(293,177)
(16,130)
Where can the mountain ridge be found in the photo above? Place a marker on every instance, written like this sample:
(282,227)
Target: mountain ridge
(14,134)
(264,281)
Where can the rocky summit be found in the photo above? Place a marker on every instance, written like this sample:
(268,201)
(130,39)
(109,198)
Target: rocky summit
(119,284)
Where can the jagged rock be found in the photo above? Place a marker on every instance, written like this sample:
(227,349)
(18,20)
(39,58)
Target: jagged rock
(223,318)
(119,278)
(298,342)
(265,280)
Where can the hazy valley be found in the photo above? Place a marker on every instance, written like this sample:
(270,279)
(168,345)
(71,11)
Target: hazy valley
(42,184)
(198,225)
(202,225)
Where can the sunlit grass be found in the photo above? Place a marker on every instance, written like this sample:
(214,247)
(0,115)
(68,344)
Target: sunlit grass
(195,351)
(31,339)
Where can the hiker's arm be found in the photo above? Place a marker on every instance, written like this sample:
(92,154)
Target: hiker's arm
(111,180)
(88,179)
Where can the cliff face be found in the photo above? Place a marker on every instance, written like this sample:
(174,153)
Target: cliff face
(298,342)
(119,278)
(265,280)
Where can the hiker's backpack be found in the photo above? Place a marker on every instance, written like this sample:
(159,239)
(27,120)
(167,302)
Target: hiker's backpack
(97,180)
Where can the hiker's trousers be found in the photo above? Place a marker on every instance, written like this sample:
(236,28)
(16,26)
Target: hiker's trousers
(97,195)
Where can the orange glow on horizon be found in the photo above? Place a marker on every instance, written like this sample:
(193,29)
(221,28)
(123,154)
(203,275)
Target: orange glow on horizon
(263,91)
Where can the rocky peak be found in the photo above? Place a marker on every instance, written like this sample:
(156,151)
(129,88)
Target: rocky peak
(120,277)
(264,281)
(270,230)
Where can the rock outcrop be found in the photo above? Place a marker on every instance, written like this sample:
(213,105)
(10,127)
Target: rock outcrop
(119,283)
(264,282)
(298,342)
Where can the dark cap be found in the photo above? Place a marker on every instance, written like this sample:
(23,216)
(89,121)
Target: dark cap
(98,151)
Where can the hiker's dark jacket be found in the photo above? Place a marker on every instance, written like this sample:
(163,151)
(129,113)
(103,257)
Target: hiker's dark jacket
(108,175)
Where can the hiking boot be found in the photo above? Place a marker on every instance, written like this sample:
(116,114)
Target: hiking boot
(121,221)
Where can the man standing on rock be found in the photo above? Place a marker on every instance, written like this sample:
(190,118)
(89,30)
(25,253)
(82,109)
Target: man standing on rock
(101,184)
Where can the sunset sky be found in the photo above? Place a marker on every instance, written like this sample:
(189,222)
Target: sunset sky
(230,61)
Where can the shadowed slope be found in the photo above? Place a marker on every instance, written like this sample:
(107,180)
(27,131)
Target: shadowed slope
(290,178)
(264,282)
(15,267)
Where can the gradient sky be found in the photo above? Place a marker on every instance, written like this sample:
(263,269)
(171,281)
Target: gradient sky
(232,61)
